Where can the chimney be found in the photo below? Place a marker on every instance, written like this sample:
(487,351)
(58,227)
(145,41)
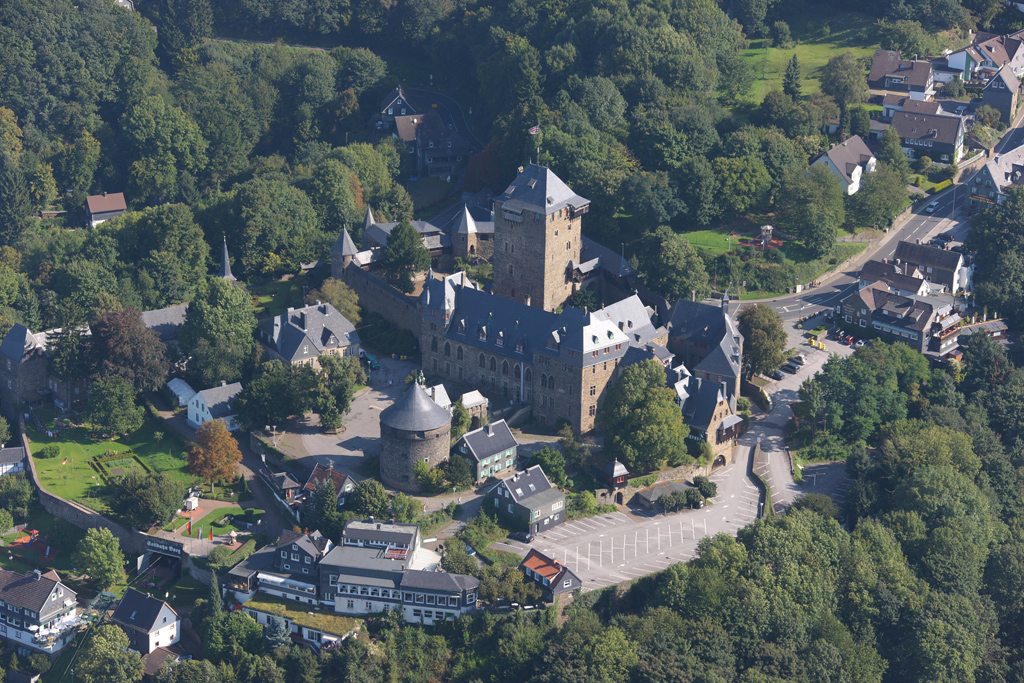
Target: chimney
(302,320)
(37,573)
(487,429)
(104,194)
(371,519)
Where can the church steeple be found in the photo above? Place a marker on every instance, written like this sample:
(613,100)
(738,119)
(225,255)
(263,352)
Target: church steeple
(225,264)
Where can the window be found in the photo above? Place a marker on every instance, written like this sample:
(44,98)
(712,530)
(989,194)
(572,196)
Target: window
(504,368)
(287,566)
(510,508)
(295,557)
(593,391)
(447,350)
(593,410)
(483,361)
(458,353)
(307,559)
(567,583)
(351,604)
(494,365)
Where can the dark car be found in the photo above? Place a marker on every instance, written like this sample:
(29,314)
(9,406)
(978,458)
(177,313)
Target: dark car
(946,237)
(791,368)
(522,537)
(777,375)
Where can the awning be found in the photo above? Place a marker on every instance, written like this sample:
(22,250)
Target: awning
(729,421)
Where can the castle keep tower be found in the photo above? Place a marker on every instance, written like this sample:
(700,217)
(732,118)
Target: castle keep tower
(414,428)
(536,236)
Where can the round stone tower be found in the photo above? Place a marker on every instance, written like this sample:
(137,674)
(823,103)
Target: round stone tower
(414,429)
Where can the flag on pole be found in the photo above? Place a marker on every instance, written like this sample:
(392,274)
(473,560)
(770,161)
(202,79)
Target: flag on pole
(211,533)
(535,130)
(188,532)
(200,534)
(64,462)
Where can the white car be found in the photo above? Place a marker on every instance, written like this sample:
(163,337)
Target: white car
(800,359)
(931,207)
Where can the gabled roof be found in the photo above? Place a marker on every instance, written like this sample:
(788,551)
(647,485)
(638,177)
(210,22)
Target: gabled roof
(415,412)
(488,440)
(320,473)
(848,155)
(1007,169)
(11,455)
(922,254)
(888,63)
(314,543)
(307,332)
(140,611)
(31,591)
(703,397)
(394,96)
(1007,77)
(105,203)
(631,317)
(547,567)
(166,322)
(922,107)
(916,126)
(891,274)
(381,533)
(181,389)
(538,189)
(219,399)
(19,343)
(407,126)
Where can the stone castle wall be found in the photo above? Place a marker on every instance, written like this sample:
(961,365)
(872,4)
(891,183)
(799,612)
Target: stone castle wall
(401,450)
(381,298)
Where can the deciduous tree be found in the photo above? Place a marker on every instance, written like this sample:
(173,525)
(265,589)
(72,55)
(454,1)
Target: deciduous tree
(404,256)
(670,266)
(845,79)
(370,499)
(339,295)
(142,499)
(112,406)
(764,339)
(215,454)
(99,555)
(125,347)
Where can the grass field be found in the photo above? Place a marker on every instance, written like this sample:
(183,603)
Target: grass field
(209,522)
(77,480)
(274,298)
(814,46)
(715,241)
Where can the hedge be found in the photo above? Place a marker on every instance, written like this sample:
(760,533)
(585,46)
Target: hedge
(642,482)
(939,187)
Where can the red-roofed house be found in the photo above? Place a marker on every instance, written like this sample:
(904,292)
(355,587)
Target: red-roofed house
(103,207)
(343,484)
(551,575)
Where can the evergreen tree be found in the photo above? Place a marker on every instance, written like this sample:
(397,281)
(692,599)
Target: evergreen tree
(405,255)
(891,153)
(14,199)
(277,634)
(791,81)
(860,122)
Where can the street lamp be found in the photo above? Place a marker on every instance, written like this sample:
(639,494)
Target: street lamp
(274,432)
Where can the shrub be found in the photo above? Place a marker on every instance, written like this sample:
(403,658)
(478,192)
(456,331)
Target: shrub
(49,451)
(643,482)
(742,404)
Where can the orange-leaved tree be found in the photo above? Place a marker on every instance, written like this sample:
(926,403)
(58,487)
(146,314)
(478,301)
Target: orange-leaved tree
(215,454)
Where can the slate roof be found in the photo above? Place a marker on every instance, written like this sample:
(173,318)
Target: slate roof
(890,274)
(29,591)
(468,225)
(472,399)
(1006,75)
(630,316)
(313,543)
(307,332)
(390,98)
(922,107)
(415,412)
(488,440)
(407,126)
(432,236)
(440,293)
(166,322)
(139,611)
(1007,169)
(894,310)
(19,343)
(219,399)
(916,126)
(615,469)
(320,473)
(922,254)
(702,398)
(416,579)
(611,261)
(12,455)
(652,493)
(225,264)
(106,202)
(283,480)
(530,488)
(538,189)
(367,566)
(848,155)
(344,246)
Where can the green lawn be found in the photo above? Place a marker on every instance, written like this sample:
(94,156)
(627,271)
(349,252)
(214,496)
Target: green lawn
(713,240)
(187,591)
(77,480)
(814,46)
(275,298)
(210,521)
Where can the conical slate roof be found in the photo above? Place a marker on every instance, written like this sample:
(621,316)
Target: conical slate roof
(466,224)
(344,246)
(368,221)
(225,264)
(415,412)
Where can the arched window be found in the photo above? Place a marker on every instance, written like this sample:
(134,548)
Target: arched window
(516,371)
(494,364)
(504,368)
(458,353)
(433,344)
(551,383)
(511,269)
(543,381)
(483,361)
(447,349)
(529,375)
(472,249)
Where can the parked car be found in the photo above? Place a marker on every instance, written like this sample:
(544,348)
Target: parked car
(777,375)
(946,237)
(860,343)
(932,207)
(522,537)
(470,550)
(799,359)
(791,368)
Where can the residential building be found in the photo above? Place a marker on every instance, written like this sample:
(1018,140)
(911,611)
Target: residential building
(218,403)
(103,207)
(708,410)
(150,623)
(848,161)
(439,147)
(705,339)
(301,335)
(904,279)
(284,486)
(166,322)
(892,103)
(342,483)
(37,612)
(288,569)
(1002,93)
(181,390)
(898,317)
(12,461)
(987,53)
(940,138)
(491,450)
(530,499)
(947,270)
(537,233)
(395,103)
(891,72)
(997,177)
(553,577)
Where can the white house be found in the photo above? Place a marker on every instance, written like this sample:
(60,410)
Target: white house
(39,612)
(12,460)
(849,161)
(217,403)
(150,623)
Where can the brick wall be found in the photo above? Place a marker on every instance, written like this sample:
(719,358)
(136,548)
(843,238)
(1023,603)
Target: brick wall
(530,257)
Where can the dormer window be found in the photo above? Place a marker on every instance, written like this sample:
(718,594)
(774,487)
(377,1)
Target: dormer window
(482,333)
(460,327)
(519,347)
(305,350)
(500,341)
